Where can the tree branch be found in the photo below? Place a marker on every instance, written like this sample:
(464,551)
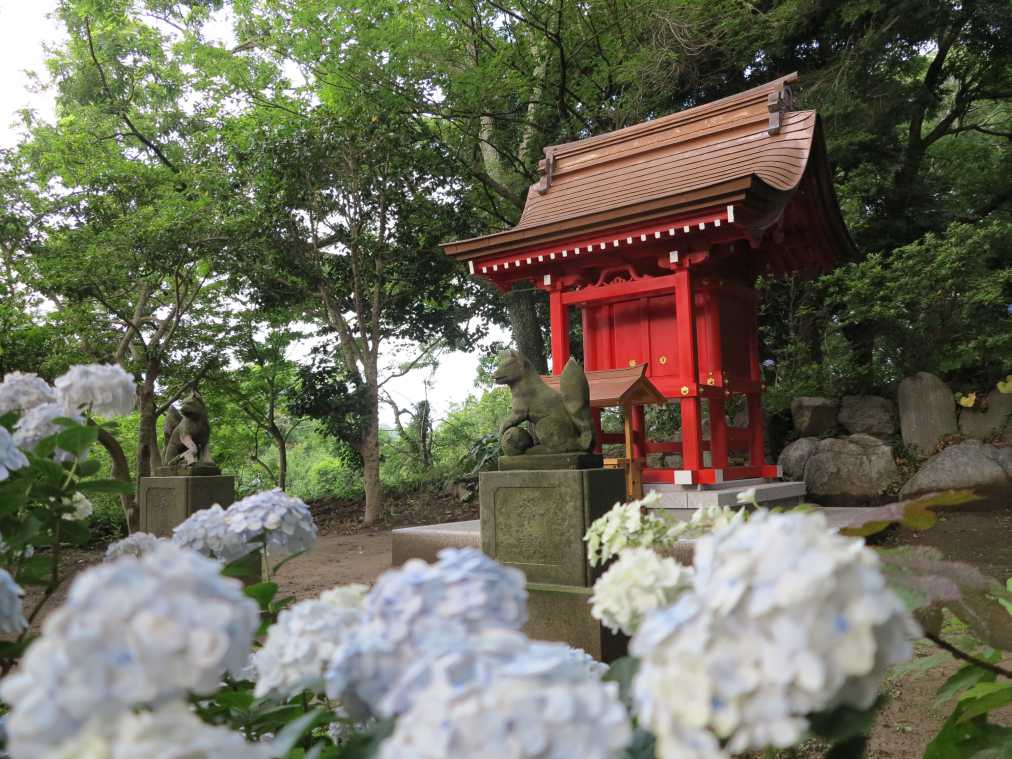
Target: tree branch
(970,658)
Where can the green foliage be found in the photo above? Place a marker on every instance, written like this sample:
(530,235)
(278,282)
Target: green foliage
(36,513)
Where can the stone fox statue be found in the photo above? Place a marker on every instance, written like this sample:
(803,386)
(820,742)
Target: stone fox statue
(561,421)
(188,432)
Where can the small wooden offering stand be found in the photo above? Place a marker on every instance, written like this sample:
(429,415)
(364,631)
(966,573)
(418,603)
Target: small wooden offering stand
(626,389)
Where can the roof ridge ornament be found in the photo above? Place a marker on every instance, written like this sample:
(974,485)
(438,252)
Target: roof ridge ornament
(547,167)
(778,103)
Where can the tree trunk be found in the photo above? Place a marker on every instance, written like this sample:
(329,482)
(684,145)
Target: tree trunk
(371,460)
(120,471)
(521,305)
(282,445)
(147,444)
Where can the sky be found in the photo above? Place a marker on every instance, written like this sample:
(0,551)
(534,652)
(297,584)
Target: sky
(24,28)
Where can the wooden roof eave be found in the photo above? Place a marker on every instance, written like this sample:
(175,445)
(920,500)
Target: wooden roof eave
(731,192)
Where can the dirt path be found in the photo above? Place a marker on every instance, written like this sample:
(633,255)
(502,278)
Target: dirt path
(336,560)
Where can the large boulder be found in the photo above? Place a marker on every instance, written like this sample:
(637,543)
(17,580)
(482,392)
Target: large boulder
(795,456)
(814,416)
(969,464)
(850,469)
(927,411)
(868,414)
(989,424)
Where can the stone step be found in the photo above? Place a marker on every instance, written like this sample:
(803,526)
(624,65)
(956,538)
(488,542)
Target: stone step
(767,494)
(426,541)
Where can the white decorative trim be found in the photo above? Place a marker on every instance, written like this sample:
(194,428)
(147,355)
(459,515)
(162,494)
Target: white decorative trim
(628,241)
(673,256)
(564,254)
(702,225)
(643,238)
(541,258)
(671,231)
(484,269)
(547,280)
(603,246)
(730,214)
(528,260)
(683,476)
(716,222)
(470,266)
(685,229)
(718,475)
(614,243)
(495,267)
(551,256)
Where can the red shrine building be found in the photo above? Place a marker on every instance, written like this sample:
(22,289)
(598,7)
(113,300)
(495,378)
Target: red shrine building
(656,234)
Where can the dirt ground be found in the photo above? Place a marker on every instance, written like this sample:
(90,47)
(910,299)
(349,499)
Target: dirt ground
(348,552)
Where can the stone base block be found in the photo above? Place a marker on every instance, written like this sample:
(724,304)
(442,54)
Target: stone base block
(535,520)
(562,613)
(426,541)
(542,461)
(166,502)
(768,494)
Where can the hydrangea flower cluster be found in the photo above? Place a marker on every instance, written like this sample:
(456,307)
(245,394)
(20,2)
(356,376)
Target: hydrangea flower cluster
(785,618)
(37,423)
(284,519)
(136,544)
(703,520)
(11,459)
(206,532)
(625,526)
(411,611)
(81,505)
(22,391)
(12,618)
(303,641)
(504,696)
(132,632)
(104,389)
(639,582)
(171,730)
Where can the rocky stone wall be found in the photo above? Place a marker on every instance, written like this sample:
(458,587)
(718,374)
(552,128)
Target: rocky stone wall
(847,449)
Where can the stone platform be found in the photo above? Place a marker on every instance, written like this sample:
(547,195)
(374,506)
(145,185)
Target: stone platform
(166,502)
(768,493)
(426,541)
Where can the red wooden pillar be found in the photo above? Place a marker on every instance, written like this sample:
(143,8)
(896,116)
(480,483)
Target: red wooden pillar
(718,414)
(688,370)
(757,444)
(560,331)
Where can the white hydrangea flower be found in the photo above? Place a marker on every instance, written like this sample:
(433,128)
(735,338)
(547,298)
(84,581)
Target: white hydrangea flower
(625,526)
(459,661)
(135,544)
(11,459)
(22,391)
(786,618)
(104,389)
(300,645)
(412,609)
(703,520)
(12,618)
(636,584)
(81,505)
(131,632)
(513,700)
(350,596)
(284,519)
(37,423)
(206,532)
(169,732)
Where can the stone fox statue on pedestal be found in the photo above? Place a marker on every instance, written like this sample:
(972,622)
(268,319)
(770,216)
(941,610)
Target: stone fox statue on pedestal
(188,433)
(561,421)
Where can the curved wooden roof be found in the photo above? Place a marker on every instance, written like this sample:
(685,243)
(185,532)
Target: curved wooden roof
(748,150)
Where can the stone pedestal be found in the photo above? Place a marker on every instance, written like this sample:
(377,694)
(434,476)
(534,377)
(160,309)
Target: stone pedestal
(167,501)
(535,520)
